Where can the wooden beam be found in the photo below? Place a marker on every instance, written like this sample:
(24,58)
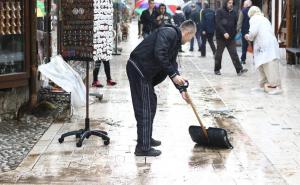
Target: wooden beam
(276,16)
(289,24)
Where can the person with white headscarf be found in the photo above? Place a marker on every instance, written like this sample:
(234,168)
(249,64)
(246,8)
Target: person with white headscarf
(265,51)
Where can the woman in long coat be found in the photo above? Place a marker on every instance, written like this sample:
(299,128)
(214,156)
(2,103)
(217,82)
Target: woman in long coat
(265,50)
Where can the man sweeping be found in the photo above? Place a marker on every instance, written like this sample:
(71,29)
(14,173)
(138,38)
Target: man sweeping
(150,63)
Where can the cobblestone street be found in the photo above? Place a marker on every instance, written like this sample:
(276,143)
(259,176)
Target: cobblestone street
(263,129)
(17,139)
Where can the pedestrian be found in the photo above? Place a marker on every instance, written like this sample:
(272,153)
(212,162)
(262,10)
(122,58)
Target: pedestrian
(179,18)
(208,28)
(109,81)
(243,27)
(163,17)
(150,63)
(187,10)
(198,5)
(148,19)
(265,51)
(195,16)
(226,21)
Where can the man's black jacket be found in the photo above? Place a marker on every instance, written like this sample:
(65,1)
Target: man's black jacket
(226,22)
(156,55)
(149,21)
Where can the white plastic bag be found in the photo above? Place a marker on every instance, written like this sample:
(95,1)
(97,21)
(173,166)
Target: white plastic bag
(64,76)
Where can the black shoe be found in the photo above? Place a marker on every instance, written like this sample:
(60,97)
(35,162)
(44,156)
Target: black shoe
(152,152)
(181,51)
(217,73)
(154,142)
(191,49)
(242,72)
(243,62)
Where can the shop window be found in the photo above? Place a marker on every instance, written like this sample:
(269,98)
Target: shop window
(14,43)
(11,37)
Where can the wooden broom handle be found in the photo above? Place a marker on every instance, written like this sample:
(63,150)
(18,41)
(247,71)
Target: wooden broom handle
(197,115)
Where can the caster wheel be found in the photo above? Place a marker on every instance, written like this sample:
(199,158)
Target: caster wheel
(79,144)
(60,140)
(106,142)
(77,135)
(88,136)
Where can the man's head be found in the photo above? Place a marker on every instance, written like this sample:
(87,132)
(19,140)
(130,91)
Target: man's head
(162,8)
(151,4)
(205,4)
(229,5)
(193,6)
(188,30)
(247,3)
(254,10)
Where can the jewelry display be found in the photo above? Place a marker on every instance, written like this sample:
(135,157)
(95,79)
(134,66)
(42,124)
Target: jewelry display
(103,30)
(77,29)
(87,29)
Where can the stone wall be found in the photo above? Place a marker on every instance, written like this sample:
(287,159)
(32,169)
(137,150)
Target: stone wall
(11,100)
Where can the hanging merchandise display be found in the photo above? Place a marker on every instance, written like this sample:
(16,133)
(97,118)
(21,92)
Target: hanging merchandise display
(86,36)
(87,30)
(103,30)
(77,30)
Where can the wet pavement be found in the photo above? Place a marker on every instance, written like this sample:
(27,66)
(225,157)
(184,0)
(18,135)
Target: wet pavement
(263,129)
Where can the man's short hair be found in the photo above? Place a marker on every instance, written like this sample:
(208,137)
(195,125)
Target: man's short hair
(149,1)
(189,26)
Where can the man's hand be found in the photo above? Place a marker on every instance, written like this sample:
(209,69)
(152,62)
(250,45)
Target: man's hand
(185,97)
(179,80)
(226,36)
(247,37)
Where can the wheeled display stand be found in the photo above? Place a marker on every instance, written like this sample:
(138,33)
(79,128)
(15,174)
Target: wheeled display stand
(82,39)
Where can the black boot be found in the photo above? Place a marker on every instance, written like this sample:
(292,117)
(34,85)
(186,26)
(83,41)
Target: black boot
(151,153)
(154,142)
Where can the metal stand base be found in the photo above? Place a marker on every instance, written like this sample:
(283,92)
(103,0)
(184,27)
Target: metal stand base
(86,132)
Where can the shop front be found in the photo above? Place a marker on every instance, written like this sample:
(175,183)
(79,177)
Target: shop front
(17,50)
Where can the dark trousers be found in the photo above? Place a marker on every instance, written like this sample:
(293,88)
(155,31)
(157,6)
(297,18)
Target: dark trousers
(198,39)
(207,37)
(244,48)
(144,102)
(231,47)
(106,69)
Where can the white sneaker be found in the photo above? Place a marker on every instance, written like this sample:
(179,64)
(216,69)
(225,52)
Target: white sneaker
(257,89)
(275,91)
